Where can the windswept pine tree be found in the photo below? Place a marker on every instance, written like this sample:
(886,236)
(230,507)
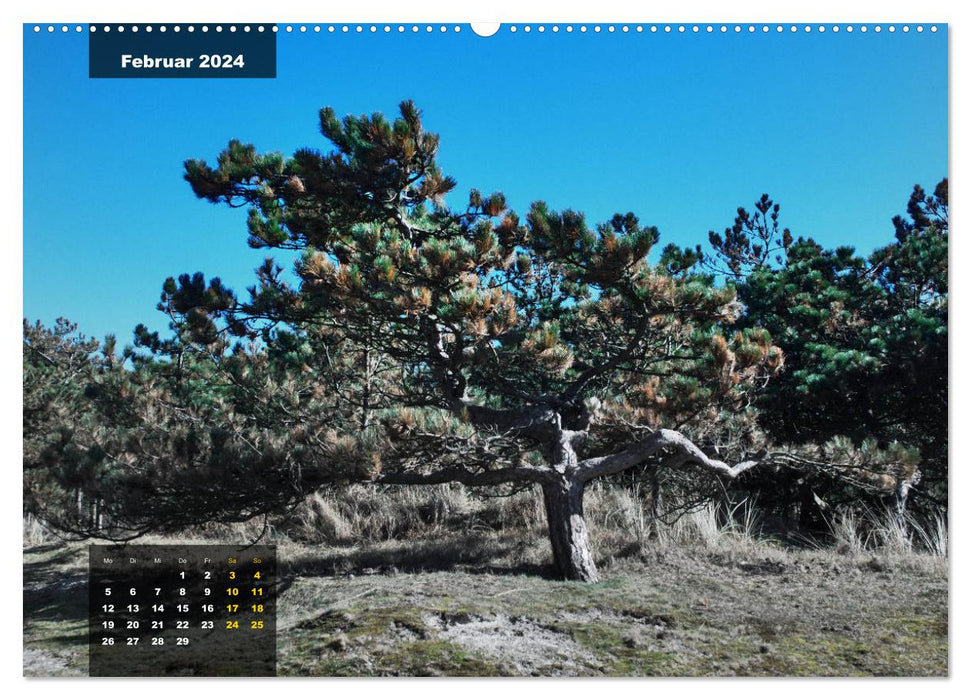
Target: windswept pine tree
(491,349)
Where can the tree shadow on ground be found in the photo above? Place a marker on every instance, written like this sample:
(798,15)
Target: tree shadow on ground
(49,570)
(461,553)
(56,592)
(43,548)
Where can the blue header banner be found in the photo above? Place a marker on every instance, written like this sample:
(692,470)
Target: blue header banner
(182,51)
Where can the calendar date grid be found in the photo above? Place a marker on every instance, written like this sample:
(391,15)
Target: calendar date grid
(198,609)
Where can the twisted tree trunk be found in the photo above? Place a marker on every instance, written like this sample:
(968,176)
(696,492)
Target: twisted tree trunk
(568,530)
(563,494)
(564,478)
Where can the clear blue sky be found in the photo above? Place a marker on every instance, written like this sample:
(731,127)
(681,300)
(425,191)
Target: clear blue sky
(681,129)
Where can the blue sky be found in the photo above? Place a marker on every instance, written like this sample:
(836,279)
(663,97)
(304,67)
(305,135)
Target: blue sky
(679,128)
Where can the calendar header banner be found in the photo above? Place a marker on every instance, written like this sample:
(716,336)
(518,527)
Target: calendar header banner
(181,51)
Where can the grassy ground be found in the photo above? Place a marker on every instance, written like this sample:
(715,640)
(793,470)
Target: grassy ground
(481,604)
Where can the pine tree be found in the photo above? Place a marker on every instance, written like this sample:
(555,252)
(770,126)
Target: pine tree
(865,338)
(519,351)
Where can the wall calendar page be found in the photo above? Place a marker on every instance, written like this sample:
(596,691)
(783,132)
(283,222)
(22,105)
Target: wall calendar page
(531,349)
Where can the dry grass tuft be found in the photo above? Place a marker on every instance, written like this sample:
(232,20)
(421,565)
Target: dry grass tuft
(36,533)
